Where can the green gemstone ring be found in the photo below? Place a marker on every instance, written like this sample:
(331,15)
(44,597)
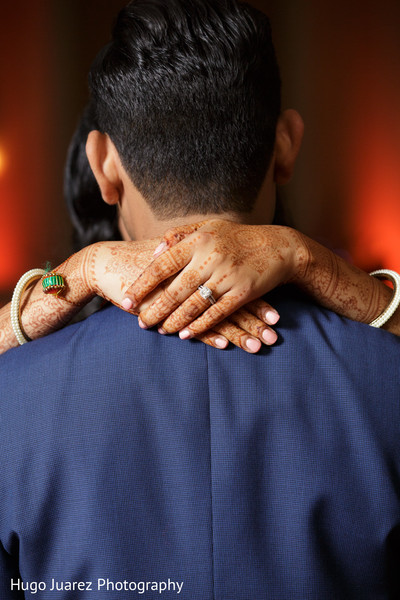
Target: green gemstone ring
(53,283)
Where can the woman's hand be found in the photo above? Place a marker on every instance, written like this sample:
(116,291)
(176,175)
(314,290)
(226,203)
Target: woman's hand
(239,263)
(105,268)
(112,266)
(108,269)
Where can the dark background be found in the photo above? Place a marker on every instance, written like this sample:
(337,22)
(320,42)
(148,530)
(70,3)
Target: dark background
(341,69)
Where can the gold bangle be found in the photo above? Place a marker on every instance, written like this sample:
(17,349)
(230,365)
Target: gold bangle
(15,312)
(395,301)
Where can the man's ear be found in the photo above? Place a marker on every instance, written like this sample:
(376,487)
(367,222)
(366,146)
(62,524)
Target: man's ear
(289,134)
(103,160)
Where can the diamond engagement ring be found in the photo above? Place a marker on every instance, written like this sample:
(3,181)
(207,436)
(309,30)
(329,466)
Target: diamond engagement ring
(206,293)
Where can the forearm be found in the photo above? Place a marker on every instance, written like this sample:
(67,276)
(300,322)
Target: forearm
(340,286)
(42,313)
(105,269)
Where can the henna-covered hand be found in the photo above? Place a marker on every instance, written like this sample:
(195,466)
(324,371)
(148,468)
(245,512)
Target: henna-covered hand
(239,263)
(106,269)
(110,268)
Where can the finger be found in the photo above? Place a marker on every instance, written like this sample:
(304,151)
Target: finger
(250,323)
(216,340)
(186,313)
(148,300)
(263,311)
(181,288)
(182,302)
(216,313)
(211,338)
(176,234)
(238,337)
(161,268)
(167,303)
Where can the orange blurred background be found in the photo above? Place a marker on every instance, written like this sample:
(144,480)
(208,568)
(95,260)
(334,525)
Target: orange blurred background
(340,66)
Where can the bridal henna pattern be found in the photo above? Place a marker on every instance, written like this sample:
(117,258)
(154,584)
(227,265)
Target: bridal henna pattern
(189,310)
(177,234)
(124,264)
(171,263)
(340,286)
(253,245)
(170,300)
(241,262)
(85,276)
(42,317)
(223,255)
(191,279)
(75,267)
(213,315)
(238,262)
(6,331)
(110,267)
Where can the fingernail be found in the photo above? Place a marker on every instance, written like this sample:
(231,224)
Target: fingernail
(221,342)
(185,334)
(141,324)
(269,336)
(272,317)
(127,304)
(160,249)
(162,331)
(253,345)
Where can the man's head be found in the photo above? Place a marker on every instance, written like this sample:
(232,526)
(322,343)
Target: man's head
(188,92)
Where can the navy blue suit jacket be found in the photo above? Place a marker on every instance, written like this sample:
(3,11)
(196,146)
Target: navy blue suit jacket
(143,462)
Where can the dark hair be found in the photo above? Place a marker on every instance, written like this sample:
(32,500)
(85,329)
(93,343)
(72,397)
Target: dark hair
(189,92)
(93,220)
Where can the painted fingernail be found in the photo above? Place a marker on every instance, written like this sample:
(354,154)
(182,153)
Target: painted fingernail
(127,304)
(221,342)
(269,336)
(141,324)
(272,317)
(185,334)
(159,249)
(253,345)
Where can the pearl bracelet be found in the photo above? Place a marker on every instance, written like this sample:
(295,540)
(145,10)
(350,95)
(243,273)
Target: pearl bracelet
(21,286)
(395,301)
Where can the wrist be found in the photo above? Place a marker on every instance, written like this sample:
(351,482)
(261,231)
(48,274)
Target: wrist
(80,287)
(41,313)
(300,256)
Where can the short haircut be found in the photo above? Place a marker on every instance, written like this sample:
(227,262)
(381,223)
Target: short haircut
(189,92)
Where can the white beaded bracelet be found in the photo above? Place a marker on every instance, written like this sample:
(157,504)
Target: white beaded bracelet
(21,286)
(395,301)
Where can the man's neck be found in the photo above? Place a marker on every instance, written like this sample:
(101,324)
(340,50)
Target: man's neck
(157,228)
(138,222)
